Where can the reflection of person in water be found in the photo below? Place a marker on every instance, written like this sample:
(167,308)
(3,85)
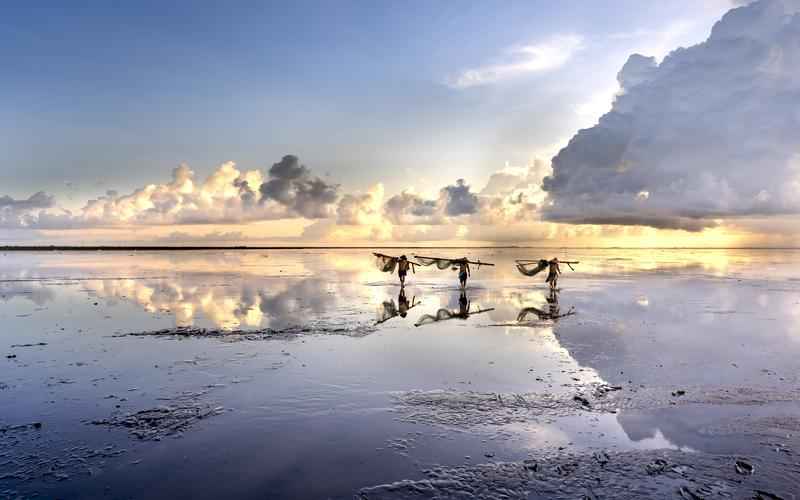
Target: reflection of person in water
(463,305)
(389,310)
(463,272)
(464,311)
(402,303)
(553,312)
(552,300)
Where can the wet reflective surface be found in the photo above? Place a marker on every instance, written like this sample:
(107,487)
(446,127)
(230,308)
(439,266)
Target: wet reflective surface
(309,374)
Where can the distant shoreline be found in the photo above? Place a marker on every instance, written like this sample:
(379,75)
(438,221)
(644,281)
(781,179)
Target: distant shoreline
(163,248)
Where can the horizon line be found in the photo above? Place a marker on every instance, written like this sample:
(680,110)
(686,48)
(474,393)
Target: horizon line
(17,248)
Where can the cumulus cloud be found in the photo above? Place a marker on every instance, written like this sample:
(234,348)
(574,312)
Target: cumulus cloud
(20,213)
(511,195)
(512,179)
(212,237)
(40,200)
(224,196)
(228,195)
(361,209)
(459,200)
(548,55)
(709,133)
(292,185)
(409,208)
(454,200)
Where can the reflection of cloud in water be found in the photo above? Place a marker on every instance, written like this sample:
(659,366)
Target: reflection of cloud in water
(688,428)
(276,304)
(658,441)
(34,292)
(655,431)
(692,332)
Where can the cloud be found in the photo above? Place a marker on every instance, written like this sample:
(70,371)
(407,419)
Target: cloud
(292,185)
(511,195)
(224,196)
(709,133)
(511,179)
(458,200)
(410,208)
(212,237)
(428,234)
(228,195)
(39,200)
(544,56)
(19,213)
(454,200)
(288,190)
(361,209)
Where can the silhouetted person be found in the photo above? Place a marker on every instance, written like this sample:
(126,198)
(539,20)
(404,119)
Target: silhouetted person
(552,275)
(463,272)
(402,269)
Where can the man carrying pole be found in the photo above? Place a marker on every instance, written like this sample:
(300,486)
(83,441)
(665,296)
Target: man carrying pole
(463,272)
(534,267)
(552,275)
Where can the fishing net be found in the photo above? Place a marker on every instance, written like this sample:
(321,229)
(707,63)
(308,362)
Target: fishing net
(441,314)
(440,263)
(386,311)
(445,314)
(385,263)
(532,268)
(524,314)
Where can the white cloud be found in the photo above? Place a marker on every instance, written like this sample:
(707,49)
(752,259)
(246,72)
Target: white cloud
(511,195)
(544,56)
(228,195)
(598,104)
(709,133)
(232,198)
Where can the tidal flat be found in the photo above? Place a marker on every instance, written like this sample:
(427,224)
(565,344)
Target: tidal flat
(291,374)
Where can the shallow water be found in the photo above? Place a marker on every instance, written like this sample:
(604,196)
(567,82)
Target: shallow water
(311,389)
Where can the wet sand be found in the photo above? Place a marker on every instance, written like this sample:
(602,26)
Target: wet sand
(284,374)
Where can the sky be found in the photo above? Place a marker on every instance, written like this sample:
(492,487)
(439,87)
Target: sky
(422,122)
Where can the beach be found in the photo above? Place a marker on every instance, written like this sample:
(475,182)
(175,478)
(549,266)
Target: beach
(269,373)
